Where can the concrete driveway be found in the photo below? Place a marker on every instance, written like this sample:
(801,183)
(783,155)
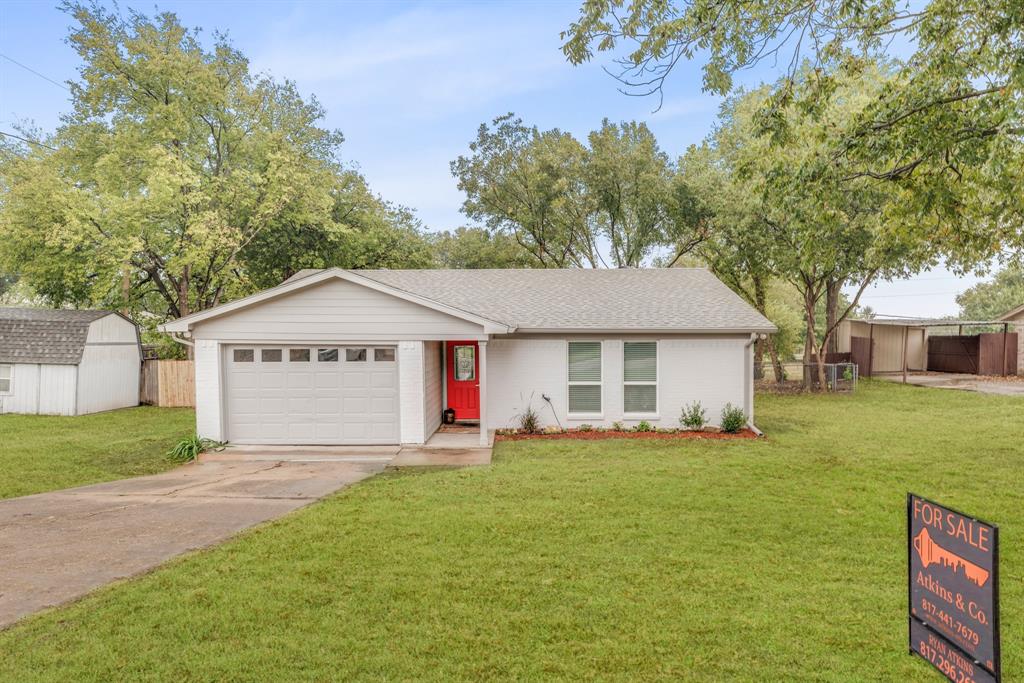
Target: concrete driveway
(58,546)
(952,380)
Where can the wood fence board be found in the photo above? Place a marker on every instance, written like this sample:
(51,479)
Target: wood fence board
(169,383)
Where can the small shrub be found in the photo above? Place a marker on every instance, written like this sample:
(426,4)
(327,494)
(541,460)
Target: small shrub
(693,416)
(553,429)
(618,426)
(733,419)
(585,428)
(189,449)
(643,426)
(529,421)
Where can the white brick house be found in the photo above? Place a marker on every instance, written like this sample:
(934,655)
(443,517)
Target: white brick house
(374,357)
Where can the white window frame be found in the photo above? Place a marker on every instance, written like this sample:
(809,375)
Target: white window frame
(656,415)
(9,378)
(586,416)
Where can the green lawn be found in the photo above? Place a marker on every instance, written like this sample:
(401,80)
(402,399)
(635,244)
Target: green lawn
(43,453)
(780,559)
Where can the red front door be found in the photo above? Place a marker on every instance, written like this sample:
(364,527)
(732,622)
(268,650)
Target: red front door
(463,379)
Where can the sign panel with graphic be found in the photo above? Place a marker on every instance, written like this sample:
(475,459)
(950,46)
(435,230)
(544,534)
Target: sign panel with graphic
(953,590)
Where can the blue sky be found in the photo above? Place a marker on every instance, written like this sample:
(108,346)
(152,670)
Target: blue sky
(408,84)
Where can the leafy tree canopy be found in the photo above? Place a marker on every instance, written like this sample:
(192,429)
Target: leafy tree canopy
(566,203)
(474,248)
(181,179)
(947,127)
(991,300)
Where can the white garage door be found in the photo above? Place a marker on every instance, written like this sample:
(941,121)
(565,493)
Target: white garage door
(311,394)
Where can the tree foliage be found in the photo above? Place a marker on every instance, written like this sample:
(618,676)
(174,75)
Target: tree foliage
(947,128)
(788,211)
(567,203)
(528,184)
(474,248)
(180,179)
(991,300)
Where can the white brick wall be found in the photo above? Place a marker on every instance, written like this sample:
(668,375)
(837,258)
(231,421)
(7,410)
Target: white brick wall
(410,391)
(712,370)
(208,390)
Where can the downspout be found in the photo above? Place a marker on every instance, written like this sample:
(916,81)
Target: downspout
(178,339)
(748,383)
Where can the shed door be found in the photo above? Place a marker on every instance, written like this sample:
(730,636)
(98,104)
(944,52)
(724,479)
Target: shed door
(311,394)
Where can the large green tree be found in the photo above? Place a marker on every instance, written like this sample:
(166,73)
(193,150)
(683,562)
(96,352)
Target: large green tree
(528,185)
(797,216)
(568,204)
(947,129)
(637,205)
(992,299)
(179,179)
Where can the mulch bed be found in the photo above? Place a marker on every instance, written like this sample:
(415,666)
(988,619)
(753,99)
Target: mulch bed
(599,436)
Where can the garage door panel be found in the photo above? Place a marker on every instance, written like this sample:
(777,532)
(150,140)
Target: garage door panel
(245,380)
(299,380)
(316,398)
(301,406)
(383,380)
(355,379)
(271,380)
(328,380)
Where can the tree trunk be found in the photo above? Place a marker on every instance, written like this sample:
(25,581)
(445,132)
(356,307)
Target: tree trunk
(810,341)
(773,353)
(833,288)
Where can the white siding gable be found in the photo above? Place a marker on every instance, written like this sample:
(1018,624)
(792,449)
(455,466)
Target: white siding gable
(109,374)
(335,310)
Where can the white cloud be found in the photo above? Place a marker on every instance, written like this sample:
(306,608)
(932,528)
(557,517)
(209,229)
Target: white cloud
(426,62)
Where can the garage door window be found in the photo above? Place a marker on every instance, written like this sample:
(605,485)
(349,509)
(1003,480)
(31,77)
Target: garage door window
(327,355)
(6,376)
(298,355)
(384,355)
(270,355)
(355,355)
(243,355)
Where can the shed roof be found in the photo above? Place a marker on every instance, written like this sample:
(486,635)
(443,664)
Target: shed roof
(577,299)
(47,336)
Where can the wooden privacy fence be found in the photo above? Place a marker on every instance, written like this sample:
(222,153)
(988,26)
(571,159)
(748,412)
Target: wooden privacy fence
(168,383)
(979,354)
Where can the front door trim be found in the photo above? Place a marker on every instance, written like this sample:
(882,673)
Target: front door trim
(463,395)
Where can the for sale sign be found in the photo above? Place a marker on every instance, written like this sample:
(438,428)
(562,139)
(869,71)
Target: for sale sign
(953,591)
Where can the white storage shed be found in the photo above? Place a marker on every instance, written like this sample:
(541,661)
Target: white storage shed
(61,362)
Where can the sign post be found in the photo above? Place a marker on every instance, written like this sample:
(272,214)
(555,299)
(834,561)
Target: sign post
(953,591)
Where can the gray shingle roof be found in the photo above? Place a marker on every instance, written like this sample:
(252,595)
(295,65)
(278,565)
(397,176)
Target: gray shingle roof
(39,335)
(685,299)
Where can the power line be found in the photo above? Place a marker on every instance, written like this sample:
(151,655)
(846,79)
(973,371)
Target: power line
(889,296)
(31,70)
(31,142)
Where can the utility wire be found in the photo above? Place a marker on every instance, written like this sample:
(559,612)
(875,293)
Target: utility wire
(31,142)
(31,70)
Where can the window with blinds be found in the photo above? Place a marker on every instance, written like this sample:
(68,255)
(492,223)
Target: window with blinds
(585,377)
(640,377)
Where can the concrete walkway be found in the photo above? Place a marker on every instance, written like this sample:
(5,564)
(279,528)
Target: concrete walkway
(963,382)
(58,546)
